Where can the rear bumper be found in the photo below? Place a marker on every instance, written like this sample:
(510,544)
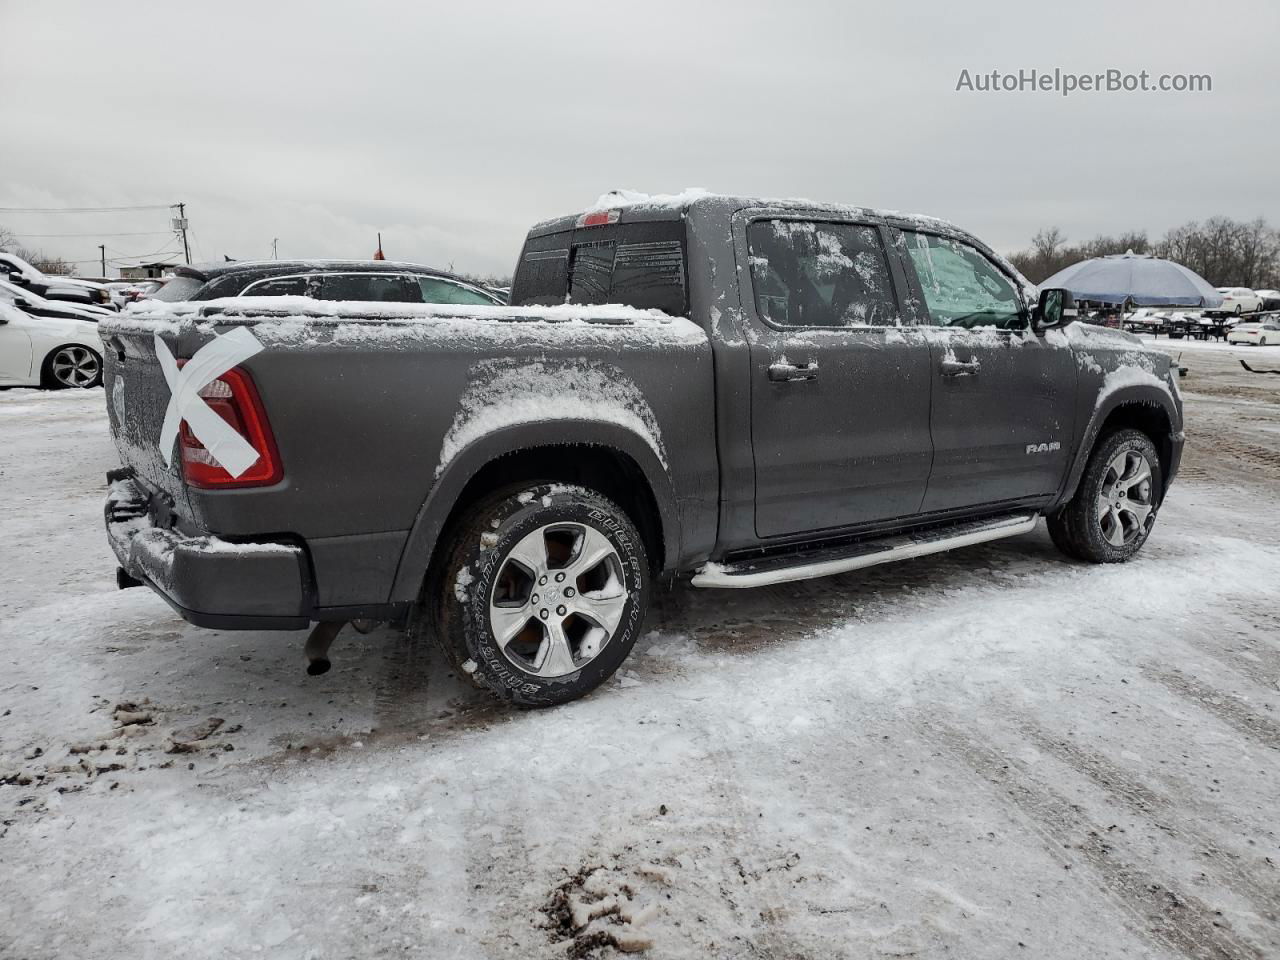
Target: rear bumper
(209,581)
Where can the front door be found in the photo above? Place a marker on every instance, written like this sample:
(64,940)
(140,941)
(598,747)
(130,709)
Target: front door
(1003,400)
(839,386)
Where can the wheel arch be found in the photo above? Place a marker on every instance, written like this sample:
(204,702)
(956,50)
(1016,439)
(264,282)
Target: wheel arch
(1145,408)
(43,370)
(612,459)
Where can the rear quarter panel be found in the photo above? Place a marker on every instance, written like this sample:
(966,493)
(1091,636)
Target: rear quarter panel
(371,417)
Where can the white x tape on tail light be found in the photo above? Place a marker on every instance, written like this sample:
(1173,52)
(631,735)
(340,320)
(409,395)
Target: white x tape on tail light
(232,452)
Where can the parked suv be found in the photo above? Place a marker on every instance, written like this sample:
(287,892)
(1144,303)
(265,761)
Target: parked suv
(366,280)
(743,392)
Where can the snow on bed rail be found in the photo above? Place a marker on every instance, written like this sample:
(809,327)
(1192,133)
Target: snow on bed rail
(299,318)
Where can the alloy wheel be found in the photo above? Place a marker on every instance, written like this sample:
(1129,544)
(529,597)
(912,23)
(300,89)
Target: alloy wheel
(558,599)
(1125,504)
(75,367)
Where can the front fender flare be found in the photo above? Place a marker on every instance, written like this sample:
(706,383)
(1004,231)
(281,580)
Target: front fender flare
(1148,395)
(459,471)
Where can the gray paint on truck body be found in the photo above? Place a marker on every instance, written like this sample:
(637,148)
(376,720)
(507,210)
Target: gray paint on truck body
(380,425)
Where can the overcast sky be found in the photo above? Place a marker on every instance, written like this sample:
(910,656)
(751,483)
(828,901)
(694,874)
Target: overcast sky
(452,127)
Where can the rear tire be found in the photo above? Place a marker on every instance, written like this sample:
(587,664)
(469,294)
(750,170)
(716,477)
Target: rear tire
(542,592)
(71,367)
(1114,508)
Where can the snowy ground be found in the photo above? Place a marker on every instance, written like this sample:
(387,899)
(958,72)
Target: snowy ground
(988,754)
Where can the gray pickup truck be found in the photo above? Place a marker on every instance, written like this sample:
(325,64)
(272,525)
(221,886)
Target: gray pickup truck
(744,391)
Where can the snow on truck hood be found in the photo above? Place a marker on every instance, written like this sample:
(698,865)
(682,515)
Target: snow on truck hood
(283,318)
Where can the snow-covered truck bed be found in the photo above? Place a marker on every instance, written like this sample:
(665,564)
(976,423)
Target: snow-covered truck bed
(747,391)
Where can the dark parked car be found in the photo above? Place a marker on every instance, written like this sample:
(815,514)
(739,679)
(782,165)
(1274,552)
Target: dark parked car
(324,280)
(750,392)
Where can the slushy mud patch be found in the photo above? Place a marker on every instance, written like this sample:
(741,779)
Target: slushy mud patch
(597,911)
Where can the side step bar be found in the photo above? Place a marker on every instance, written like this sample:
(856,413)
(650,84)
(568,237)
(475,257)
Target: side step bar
(832,560)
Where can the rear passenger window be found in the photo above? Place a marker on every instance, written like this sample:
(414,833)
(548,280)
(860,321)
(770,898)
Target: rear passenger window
(377,287)
(814,274)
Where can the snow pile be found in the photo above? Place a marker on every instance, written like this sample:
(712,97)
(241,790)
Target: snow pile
(620,199)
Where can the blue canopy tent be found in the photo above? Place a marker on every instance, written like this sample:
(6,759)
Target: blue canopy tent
(1138,279)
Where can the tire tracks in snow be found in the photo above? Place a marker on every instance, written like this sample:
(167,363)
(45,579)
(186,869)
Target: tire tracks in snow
(1145,801)
(1156,909)
(1231,709)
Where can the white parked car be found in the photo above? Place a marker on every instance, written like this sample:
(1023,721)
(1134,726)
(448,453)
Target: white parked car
(48,351)
(1270,299)
(1264,333)
(1238,300)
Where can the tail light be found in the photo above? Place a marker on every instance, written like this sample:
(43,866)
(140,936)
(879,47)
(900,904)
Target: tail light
(234,398)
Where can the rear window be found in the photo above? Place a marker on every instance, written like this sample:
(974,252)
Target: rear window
(179,288)
(635,264)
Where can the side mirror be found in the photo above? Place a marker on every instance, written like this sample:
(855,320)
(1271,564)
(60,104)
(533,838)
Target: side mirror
(22,303)
(17,278)
(1056,309)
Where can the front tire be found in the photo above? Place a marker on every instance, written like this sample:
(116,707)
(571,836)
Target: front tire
(542,593)
(1114,508)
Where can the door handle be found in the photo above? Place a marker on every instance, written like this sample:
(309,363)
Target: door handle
(959,368)
(782,372)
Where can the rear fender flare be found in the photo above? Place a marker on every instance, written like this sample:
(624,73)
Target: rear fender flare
(438,507)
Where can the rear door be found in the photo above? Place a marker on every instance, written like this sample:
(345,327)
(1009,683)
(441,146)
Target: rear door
(1003,398)
(840,378)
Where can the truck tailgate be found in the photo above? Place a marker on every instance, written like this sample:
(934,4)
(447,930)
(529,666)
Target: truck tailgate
(137,398)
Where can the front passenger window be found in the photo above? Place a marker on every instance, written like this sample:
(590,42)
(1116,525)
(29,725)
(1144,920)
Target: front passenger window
(962,288)
(810,274)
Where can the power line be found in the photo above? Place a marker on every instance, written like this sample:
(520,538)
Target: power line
(43,236)
(149,206)
(144,256)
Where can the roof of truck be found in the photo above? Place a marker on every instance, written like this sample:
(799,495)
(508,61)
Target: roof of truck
(634,206)
(208,271)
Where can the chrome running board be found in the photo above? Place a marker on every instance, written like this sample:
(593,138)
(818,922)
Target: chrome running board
(824,562)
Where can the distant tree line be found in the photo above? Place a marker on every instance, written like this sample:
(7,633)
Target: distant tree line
(1226,252)
(37,258)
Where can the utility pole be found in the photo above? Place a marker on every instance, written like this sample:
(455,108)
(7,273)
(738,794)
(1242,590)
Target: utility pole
(182,225)
(275,255)
(102,249)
